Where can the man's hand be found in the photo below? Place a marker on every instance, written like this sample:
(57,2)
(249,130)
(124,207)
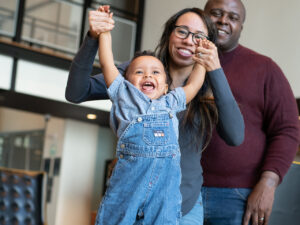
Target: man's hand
(260,200)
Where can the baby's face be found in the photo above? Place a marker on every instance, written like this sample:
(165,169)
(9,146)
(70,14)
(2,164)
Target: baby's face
(147,74)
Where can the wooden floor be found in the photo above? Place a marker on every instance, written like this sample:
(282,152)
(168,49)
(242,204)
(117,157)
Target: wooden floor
(93,217)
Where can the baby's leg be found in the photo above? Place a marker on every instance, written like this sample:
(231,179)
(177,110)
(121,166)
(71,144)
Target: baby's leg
(163,206)
(119,206)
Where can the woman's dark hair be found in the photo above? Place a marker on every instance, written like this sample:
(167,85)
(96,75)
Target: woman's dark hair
(201,115)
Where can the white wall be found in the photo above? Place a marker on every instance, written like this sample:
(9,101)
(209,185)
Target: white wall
(271,28)
(53,148)
(106,150)
(77,174)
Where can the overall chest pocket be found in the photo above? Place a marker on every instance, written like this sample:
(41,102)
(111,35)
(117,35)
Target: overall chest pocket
(156,133)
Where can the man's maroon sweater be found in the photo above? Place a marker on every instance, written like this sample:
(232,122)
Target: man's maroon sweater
(271,123)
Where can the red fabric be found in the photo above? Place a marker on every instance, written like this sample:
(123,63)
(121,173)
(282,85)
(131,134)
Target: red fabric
(271,123)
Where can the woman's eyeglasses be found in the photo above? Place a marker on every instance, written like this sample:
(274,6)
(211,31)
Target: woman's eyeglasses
(183,33)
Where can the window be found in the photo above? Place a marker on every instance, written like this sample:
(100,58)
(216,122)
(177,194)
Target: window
(8,17)
(22,150)
(39,80)
(54,24)
(48,82)
(126,14)
(123,39)
(127,8)
(6,70)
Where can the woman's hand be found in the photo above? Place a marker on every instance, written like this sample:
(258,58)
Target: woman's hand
(100,21)
(206,54)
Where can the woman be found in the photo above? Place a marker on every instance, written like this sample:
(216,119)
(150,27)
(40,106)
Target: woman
(176,48)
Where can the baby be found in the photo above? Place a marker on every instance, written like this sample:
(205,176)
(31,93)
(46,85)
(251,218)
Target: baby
(144,186)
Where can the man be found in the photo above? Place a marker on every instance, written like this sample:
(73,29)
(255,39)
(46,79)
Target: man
(240,182)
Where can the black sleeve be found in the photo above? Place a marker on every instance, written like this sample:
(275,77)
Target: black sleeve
(230,125)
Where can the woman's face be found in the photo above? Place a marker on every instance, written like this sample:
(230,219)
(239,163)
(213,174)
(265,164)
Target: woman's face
(182,50)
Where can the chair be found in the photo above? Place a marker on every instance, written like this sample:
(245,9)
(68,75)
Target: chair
(21,197)
(286,208)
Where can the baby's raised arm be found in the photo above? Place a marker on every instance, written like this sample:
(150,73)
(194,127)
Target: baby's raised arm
(109,70)
(194,82)
(196,78)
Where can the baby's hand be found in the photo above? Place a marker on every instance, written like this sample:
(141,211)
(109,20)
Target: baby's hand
(100,21)
(105,9)
(198,52)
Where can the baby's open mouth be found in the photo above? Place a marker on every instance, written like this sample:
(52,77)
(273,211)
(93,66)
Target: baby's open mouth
(147,86)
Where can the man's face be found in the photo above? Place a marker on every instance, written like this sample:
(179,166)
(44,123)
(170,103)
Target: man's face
(228,15)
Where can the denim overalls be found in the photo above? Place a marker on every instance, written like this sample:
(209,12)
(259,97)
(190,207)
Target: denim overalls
(144,186)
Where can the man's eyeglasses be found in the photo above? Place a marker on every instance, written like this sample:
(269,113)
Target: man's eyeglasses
(183,33)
